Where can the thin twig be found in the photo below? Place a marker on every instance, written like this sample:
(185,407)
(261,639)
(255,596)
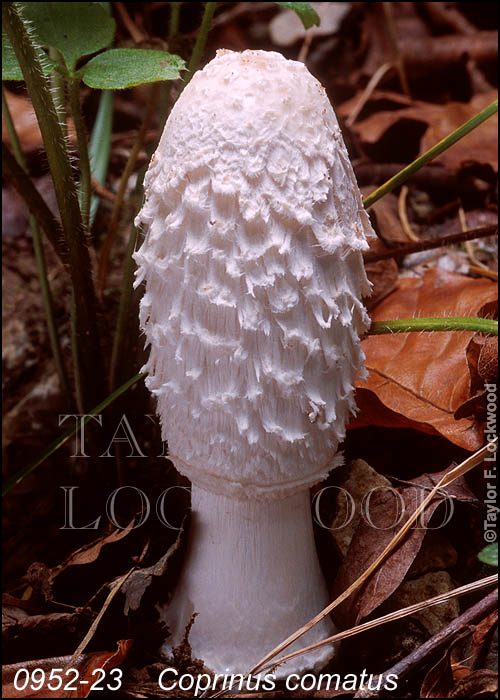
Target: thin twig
(477,266)
(484,272)
(452,239)
(116,587)
(403,217)
(102,191)
(130,26)
(306,45)
(411,662)
(365,96)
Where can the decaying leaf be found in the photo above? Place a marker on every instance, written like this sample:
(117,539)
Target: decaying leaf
(439,121)
(418,380)
(139,580)
(385,512)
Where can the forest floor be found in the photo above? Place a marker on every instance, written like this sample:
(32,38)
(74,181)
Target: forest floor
(422,410)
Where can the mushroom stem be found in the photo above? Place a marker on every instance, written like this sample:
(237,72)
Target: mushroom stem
(253,576)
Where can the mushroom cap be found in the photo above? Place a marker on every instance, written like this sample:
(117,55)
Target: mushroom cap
(254,277)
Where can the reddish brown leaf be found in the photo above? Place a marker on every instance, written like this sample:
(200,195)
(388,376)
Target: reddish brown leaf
(418,380)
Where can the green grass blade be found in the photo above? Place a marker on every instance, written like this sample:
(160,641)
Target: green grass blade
(100,145)
(56,444)
(436,150)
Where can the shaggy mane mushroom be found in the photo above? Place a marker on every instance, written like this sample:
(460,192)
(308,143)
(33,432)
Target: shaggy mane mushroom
(254,277)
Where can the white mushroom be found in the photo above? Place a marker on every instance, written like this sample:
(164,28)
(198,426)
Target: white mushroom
(253,312)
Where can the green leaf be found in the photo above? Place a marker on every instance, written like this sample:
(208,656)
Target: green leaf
(489,555)
(11,70)
(123,68)
(75,29)
(308,16)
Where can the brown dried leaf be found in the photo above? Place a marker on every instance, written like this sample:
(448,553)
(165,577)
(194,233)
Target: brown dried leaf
(85,665)
(385,514)
(90,552)
(441,120)
(418,380)
(139,580)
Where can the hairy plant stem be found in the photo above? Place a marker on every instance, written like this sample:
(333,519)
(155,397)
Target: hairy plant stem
(201,40)
(436,150)
(88,356)
(58,87)
(414,325)
(83,150)
(47,299)
(122,188)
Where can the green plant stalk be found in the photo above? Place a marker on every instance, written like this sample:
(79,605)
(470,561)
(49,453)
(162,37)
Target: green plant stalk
(83,150)
(100,145)
(119,341)
(201,40)
(436,150)
(47,299)
(413,325)
(122,188)
(88,358)
(173,27)
(56,444)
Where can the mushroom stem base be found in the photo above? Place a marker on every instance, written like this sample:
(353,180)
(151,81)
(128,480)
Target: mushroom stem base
(252,574)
